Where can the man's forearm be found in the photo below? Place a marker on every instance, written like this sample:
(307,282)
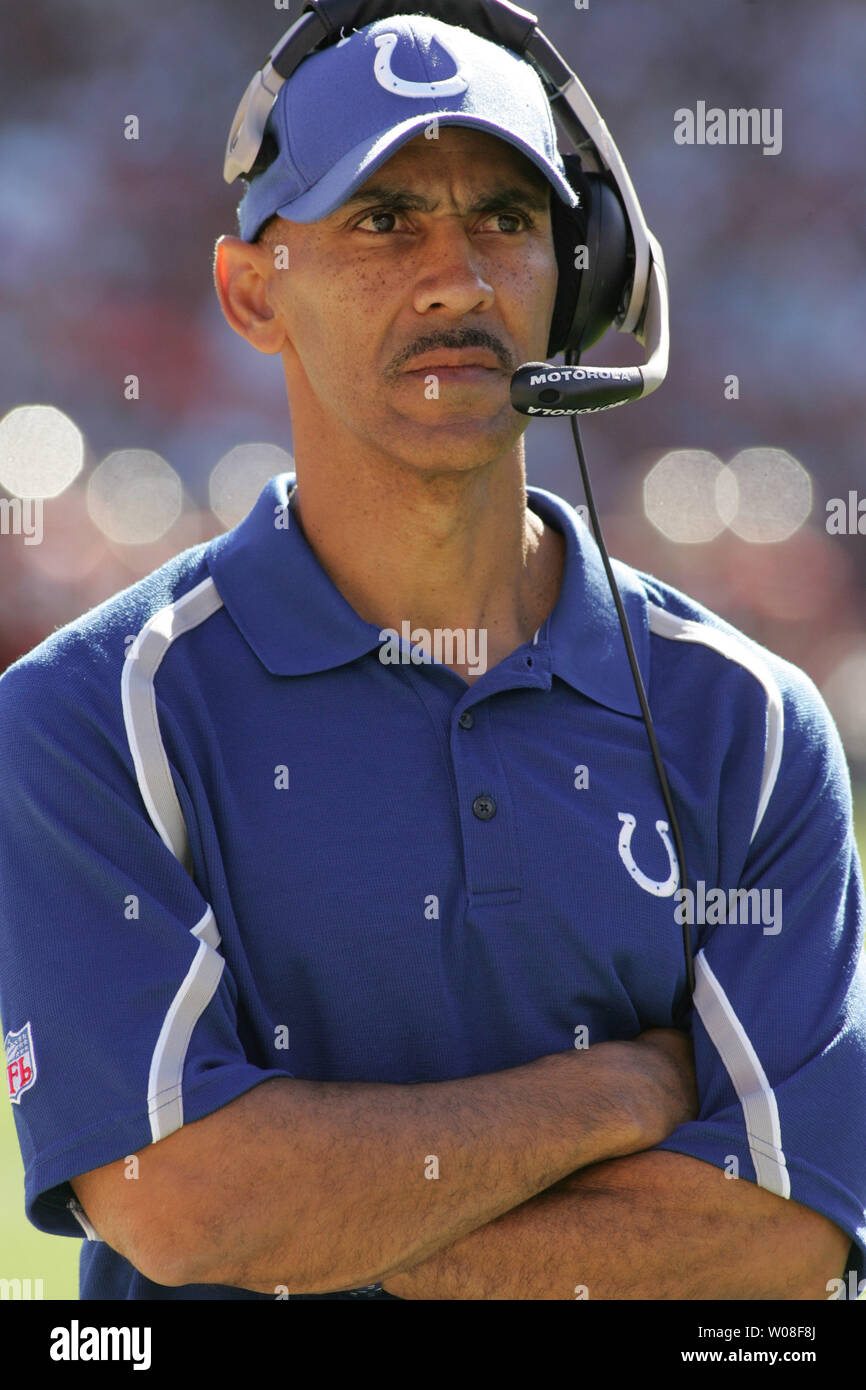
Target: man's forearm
(318,1186)
(366,1177)
(654,1225)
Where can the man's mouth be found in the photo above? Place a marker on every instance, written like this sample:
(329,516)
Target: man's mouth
(456,365)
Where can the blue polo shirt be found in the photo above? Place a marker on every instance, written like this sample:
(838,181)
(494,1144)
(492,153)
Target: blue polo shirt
(236,844)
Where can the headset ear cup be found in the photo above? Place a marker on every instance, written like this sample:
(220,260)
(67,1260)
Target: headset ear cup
(569,227)
(588,299)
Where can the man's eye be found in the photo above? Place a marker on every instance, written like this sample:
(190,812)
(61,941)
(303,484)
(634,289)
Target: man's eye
(520,221)
(523,222)
(378,217)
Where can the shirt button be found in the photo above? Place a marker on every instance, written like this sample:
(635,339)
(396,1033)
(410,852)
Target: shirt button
(484,807)
(466,720)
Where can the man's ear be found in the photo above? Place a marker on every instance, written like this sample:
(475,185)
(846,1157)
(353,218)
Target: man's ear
(242,273)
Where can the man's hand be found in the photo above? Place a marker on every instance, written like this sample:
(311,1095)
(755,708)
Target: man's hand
(666,1058)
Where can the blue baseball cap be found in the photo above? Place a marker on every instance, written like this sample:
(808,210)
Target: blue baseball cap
(349,107)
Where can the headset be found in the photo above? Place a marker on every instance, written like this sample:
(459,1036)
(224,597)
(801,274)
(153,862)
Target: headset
(622,283)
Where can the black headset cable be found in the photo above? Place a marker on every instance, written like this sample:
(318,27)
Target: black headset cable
(571,359)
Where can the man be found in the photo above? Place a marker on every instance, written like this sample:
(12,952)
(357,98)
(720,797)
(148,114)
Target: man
(334,970)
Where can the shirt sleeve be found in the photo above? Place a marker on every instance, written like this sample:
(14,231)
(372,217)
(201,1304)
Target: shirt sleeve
(779,1021)
(119,1011)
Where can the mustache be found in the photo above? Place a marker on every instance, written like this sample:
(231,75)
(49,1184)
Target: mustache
(456,338)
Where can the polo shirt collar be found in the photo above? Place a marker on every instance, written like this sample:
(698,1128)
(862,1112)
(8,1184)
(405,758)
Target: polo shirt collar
(297,622)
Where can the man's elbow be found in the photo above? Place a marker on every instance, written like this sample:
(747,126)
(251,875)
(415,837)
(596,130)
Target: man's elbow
(169,1256)
(193,1254)
(825,1262)
(168,1242)
(207,1255)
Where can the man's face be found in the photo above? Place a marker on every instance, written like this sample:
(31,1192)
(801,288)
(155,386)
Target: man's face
(444,259)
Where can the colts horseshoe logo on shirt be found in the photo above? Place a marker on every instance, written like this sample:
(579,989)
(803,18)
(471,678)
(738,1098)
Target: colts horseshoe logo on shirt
(649,885)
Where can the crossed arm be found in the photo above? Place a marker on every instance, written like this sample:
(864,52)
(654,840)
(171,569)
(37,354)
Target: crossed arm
(654,1225)
(550,1182)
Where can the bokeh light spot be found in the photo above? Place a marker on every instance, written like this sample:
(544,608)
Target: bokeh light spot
(240,475)
(41,451)
(775,495)
(679,496)
(134,496)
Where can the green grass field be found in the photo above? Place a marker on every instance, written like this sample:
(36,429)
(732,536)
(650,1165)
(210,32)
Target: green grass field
(26,1253)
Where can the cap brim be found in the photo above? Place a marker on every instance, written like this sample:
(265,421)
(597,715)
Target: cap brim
(353,170)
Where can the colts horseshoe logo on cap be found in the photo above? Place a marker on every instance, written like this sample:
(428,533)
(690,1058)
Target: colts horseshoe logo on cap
(448,87)
(649,885)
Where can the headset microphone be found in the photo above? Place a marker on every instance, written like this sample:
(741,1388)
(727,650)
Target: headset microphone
(539,389)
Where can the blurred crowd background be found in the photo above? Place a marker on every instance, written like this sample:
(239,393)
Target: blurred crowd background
(105,274)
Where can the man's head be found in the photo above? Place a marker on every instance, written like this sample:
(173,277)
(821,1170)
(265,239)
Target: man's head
(347,108)
(410,188)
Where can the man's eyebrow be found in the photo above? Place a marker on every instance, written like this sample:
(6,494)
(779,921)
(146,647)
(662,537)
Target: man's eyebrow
(404,200)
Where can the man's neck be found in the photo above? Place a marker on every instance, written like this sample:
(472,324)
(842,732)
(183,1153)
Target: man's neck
(459,552)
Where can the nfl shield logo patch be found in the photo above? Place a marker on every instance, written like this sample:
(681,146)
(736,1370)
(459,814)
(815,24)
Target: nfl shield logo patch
(20,1062)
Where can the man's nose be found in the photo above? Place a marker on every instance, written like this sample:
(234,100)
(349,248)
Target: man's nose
(451,272)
